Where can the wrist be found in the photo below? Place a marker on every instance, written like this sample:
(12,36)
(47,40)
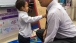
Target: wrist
(42,16)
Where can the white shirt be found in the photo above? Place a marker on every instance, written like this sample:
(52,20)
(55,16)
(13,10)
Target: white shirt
(59,24)
(25,23)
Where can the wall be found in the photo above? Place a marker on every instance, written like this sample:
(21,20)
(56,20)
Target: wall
(74,9)
(41,11)
(69,11)
(74,13)
(10,32)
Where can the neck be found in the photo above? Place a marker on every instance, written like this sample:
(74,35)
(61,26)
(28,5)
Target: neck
(49,2)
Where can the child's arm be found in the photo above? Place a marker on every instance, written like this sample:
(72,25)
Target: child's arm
(29,19)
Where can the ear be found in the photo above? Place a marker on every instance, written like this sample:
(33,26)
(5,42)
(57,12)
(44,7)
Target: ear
(22,8)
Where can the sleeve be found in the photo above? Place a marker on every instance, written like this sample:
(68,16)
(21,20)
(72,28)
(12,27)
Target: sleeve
(29,19)
(52,27)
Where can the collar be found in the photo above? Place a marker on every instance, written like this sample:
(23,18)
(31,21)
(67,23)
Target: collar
(51,4)
(22,12)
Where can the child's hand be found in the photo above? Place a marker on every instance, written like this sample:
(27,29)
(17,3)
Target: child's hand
(44,16)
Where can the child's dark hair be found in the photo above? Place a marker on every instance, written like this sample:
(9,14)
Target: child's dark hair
(19,4)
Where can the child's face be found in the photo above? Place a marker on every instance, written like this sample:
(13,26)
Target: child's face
(25,8)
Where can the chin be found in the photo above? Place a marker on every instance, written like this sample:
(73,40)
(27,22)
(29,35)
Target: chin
(43,6)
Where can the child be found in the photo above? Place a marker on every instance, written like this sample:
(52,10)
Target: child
(25,21)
